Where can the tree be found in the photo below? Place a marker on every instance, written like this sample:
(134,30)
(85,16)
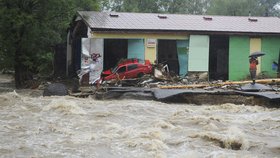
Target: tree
(30,28)
(146,6)
(156,6)
(244,7)
(112,5)
(184,6)
(269,7)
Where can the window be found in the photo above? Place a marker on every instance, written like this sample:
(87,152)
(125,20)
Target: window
(132,67)
(121,69)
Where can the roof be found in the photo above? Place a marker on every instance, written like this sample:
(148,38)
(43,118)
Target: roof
(179,22)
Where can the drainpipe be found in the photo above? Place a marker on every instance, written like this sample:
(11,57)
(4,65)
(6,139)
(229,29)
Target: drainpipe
(68,53)
(278,70)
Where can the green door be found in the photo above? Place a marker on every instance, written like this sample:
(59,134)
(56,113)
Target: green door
(182,51)
(136,49)
(239,50)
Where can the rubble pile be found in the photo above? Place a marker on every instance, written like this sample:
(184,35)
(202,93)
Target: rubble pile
(162,78)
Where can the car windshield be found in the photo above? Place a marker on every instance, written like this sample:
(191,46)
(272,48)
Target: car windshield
(114,69)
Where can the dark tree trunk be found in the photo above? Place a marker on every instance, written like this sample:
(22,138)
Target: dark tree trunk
(21,71)
(19,75)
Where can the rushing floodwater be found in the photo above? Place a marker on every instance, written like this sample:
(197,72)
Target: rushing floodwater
(35,126)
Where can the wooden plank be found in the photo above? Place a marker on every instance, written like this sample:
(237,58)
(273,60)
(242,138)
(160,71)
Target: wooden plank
(262,81)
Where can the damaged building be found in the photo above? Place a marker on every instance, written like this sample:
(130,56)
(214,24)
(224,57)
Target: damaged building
(218,46)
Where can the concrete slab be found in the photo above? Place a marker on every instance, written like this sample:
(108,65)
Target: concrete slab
(166,93)
(193,96)
(255,87)
(270,95)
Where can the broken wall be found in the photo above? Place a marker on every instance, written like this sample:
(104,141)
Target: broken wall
(92,58)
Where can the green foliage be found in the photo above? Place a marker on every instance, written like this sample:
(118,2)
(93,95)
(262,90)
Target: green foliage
(184,6)
(217,7)
(45,63)
(30,28)
(146,6)
(244,7)
(156,6)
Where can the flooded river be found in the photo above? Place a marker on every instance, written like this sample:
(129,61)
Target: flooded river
(35,126)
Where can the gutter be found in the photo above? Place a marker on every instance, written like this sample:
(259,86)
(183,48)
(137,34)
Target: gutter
(202,32)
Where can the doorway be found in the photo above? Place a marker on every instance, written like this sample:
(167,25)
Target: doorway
(167,54)
(218,57)
(114,51)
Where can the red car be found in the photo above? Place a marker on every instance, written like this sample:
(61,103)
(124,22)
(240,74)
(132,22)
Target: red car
(128,68)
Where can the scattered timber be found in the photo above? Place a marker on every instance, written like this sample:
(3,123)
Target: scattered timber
(262,81)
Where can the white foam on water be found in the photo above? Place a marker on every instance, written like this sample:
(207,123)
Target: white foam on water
(232,138)
(236,136)
(75,127)
(211,126)
(163,124)
(9,99)
(189,154)
(65,107)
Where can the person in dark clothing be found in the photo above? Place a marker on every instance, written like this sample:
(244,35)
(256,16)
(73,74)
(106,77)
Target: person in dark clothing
(253,68)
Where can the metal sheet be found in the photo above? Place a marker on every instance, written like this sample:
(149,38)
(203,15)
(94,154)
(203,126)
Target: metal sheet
(179,22)
(92,58)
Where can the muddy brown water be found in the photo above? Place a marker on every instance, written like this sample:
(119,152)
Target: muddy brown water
(36,126)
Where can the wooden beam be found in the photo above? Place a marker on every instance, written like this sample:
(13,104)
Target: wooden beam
(262,81)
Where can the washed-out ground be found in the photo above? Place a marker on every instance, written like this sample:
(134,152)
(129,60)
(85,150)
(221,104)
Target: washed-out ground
(36,126)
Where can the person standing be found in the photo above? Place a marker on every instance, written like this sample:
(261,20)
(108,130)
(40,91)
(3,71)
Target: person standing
(253,68)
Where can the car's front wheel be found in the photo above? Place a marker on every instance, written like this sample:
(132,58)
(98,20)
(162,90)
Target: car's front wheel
(141,74)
